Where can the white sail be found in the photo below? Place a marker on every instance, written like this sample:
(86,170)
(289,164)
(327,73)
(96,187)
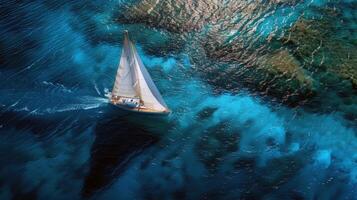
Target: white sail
(134,81)
(149,93)
(125,79)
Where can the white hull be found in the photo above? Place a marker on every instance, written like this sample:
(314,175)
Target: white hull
(140,110)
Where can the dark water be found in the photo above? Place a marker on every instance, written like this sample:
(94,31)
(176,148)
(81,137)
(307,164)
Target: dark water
(263,95)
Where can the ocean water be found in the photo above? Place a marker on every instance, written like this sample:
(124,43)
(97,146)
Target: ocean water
(263,95)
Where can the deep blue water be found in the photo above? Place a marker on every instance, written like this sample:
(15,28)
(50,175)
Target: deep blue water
(226,139)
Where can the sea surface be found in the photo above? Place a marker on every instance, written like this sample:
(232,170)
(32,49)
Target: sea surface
(263,96)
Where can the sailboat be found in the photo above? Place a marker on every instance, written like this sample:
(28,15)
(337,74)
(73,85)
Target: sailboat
(133,89)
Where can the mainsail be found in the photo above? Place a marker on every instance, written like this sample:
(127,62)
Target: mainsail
(125,78)
(133,80)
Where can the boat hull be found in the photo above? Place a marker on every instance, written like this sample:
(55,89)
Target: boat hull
(140,111)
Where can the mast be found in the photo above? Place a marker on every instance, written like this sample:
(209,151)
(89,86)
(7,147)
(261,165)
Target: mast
(131,57)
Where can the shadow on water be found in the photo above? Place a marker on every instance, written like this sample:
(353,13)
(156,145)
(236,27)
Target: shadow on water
(119,138)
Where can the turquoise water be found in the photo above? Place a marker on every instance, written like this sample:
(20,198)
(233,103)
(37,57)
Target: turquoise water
(263,95)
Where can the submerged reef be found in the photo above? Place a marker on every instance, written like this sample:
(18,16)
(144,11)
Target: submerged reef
(301,54)
(327,50)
